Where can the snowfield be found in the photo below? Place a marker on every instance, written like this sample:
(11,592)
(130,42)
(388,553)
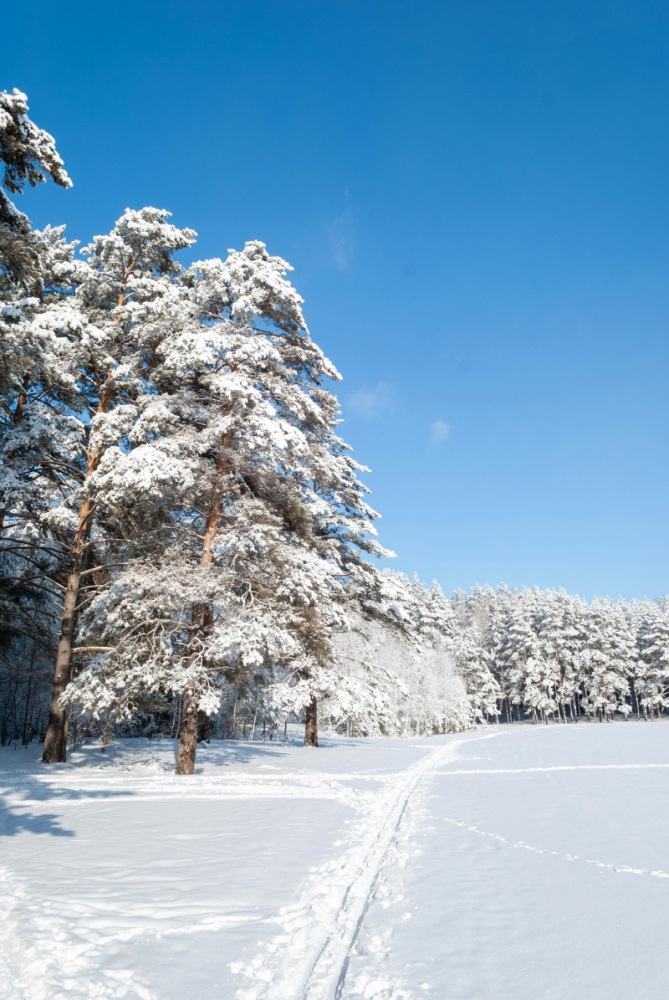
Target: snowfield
(501,864)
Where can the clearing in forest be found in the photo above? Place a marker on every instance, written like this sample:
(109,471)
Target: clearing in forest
(519,861)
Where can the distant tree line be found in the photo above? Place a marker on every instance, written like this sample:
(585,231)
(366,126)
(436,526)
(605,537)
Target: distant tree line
(548,655)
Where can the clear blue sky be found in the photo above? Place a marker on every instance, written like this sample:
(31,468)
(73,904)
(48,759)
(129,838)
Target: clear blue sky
(474,197)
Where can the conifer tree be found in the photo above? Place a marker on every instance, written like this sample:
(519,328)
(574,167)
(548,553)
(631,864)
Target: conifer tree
(118,326)
(28,155)
(40,438)
(608,652)
(652,680)
(268,517)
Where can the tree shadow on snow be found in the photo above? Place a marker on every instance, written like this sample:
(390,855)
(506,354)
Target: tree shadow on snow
(224,752)
(16,818)
(13,821)
(221,753)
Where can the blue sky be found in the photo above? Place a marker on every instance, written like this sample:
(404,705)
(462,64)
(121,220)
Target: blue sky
(474,198)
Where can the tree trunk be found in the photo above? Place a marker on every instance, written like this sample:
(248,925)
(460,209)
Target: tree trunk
(311,724)
(232,735)
(55,741)
(176,718)
(188,735)
(635,700)
(26,714)
(202,616)
(255,717)
(203,726)
(194,723)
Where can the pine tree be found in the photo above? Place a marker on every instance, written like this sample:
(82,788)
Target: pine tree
(483,689)
(652,686)
(40,436)
(119,324)
(605,660)
(519,656)
(29,156)
(267,508)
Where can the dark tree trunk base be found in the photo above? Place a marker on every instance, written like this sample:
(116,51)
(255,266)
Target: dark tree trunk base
(55,742)
(311,724)
(203,727)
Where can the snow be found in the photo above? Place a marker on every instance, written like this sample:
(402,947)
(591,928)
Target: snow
(511,862)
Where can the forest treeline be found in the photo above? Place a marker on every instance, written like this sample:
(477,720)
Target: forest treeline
(185,540)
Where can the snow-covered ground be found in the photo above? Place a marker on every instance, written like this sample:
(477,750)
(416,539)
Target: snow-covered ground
(506,864)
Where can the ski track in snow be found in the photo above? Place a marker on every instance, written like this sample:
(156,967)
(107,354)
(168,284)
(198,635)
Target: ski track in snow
(309,959)
(557,767)
(367,976)
(56,950)
(373,981)
(625,869)
(60,948)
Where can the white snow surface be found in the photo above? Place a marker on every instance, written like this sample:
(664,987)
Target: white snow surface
(511,863)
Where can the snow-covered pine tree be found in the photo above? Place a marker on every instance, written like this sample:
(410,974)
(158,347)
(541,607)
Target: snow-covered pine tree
(273,525)
(486,614)
(608,653)
(473,646)
(39,439)
(278,442)
(400,651)
(481,685)
(119,323)
(519,656)
(28,155)
(637,612)
(38,364)
(546,624)
(652,680)
(566,630)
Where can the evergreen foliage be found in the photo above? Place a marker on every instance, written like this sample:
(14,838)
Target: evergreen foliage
(28,155)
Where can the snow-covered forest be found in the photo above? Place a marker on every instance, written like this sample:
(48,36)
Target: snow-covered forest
(185,537)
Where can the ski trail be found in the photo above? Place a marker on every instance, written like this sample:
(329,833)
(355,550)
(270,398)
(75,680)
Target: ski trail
(557,767)
(625,869)
(327,975)
(309,960)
